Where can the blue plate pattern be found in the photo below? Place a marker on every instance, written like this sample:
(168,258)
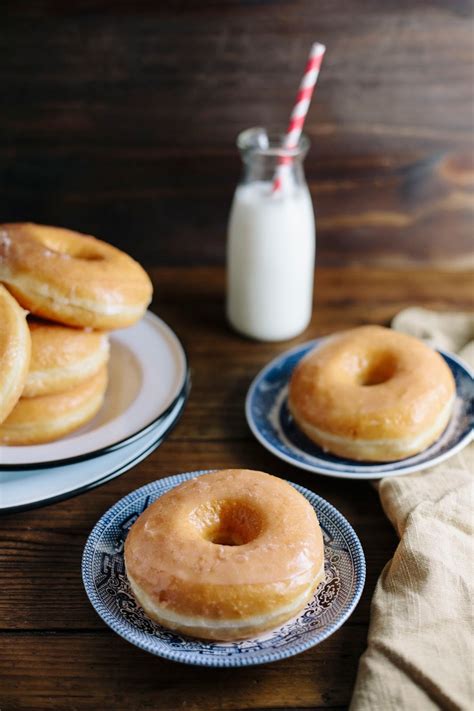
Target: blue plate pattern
(271,423)
(107,586)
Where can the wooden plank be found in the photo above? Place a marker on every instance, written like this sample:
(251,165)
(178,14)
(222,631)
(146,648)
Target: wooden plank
(92,671)
(120,119)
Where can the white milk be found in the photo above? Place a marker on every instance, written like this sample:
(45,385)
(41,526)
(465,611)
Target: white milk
(270,261)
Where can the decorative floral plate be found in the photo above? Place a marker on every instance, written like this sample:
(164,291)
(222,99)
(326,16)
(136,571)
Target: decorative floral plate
(107,586)
(271,423)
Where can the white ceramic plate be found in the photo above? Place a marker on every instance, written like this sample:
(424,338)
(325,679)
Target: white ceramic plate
(32,488)
(147,375)
(107,586)
(271,423)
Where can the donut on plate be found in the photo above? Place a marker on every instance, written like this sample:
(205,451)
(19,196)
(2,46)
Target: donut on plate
(42,419)
(62,357)
(15,347)
(72,278)
(372,394)
(226,555)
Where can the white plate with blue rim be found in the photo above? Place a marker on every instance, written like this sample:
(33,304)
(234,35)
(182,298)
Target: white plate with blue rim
(107,587)
(270,421)
(148,373)
(32,488)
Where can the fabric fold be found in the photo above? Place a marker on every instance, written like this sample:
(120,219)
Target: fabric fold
(420,652)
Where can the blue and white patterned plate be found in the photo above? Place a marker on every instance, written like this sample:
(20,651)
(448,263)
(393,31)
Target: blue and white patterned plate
(107,586)
(271,423)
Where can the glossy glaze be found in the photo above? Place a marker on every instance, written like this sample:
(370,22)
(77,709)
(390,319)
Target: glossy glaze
(72,278)
(171,556)
(372,387)
(15,350)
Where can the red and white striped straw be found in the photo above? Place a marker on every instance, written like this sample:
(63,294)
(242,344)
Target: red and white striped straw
(300,109)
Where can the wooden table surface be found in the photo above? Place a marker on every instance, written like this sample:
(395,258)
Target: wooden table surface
(56,653)
(119,119)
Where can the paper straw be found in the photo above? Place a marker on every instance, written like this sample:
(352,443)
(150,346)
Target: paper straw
(300,109)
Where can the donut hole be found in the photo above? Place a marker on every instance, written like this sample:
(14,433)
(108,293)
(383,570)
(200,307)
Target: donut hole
(228,523)
(88,255)
(70,248)
(379,370)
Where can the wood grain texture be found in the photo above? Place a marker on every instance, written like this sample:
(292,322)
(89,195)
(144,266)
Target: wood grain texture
(97,676)
(120,119)
(56,653)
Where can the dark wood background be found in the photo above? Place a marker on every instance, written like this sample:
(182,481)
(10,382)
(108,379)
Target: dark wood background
(119,118)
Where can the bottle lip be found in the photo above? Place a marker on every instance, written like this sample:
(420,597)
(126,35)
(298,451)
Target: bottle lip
(257,140)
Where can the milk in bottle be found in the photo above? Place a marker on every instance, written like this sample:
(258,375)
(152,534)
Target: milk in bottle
(271,242)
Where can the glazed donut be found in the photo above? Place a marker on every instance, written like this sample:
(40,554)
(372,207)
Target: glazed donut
(226,555)
(62,357)
(72,278)
(42,419)
(372,394)
(15,347)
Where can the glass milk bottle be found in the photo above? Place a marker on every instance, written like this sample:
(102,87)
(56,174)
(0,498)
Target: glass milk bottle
(271,241)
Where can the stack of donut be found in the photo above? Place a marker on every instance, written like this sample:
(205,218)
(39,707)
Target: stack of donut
(60,293)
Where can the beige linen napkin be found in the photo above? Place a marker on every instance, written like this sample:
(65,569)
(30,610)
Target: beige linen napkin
(420,652)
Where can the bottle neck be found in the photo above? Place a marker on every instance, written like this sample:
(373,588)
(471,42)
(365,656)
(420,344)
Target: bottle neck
(259,167)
